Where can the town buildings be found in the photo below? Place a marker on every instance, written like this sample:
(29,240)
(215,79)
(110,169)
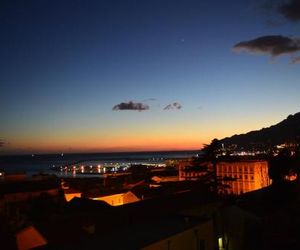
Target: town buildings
(20,195)
(243,176)
(118,199)
(234,177)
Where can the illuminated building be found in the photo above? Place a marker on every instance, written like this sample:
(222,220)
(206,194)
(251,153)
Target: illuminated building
(238,176)
(118,199)
(245,176)
(189,171)
(71,193)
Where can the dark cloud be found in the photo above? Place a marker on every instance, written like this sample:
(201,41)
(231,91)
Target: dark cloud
(131,106)
(272,45)
(290,10)
(174,105)
(1,143)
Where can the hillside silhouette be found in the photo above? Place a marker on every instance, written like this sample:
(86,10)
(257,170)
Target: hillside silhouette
(286,131)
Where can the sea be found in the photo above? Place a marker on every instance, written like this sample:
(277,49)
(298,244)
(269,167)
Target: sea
(46,163)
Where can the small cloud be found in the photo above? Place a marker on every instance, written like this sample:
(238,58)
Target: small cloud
(290,10)
(131,106)
(150,100)
(174,105)
(272,45)
(1,143)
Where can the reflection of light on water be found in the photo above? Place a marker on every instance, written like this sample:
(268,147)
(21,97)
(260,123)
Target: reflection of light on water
(74,173)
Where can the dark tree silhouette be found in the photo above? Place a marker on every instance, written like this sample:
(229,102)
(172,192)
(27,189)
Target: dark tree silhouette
(210,154)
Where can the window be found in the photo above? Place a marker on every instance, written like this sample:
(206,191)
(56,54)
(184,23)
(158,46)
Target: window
(201,245)
(220,243)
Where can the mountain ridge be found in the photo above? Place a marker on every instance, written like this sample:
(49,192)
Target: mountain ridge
(285,131)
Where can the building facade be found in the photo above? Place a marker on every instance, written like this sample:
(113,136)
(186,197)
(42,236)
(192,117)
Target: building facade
(189,171)
(118,199)
(243,176)
(234,177)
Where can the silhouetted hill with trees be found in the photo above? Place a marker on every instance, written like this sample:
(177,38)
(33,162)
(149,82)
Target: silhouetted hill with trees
(286,131)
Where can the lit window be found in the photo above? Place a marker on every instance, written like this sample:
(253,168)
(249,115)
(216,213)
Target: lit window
(220,243)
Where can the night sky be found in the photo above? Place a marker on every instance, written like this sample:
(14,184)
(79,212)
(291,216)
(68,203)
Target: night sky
(82,76)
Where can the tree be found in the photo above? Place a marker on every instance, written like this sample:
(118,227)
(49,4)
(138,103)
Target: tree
(210,154)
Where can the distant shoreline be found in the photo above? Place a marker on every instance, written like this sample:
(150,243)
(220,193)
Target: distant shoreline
(99,153)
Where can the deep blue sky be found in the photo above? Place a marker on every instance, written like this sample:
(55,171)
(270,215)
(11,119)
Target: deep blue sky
(65,64)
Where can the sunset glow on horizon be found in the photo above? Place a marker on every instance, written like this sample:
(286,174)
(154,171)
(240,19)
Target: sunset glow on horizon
(109,76)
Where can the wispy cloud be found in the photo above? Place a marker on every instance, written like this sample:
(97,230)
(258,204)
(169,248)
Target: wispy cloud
(1,143)
(149,100)
(174,105)
(272,45)
(138,106)
(290,10)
